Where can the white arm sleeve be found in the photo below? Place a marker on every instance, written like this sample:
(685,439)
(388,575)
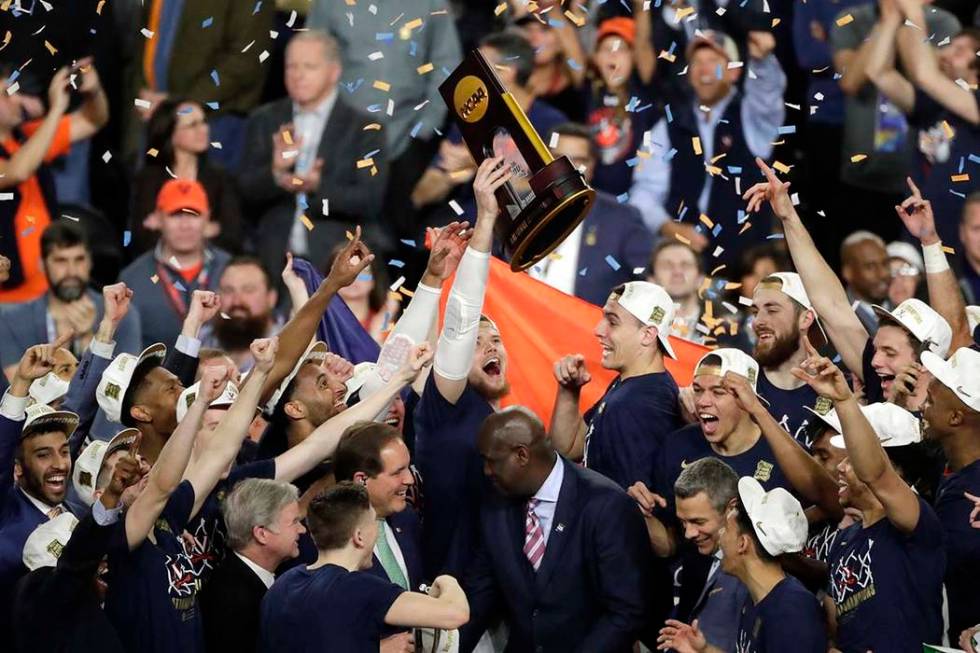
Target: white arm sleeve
(419,314)
(457,342)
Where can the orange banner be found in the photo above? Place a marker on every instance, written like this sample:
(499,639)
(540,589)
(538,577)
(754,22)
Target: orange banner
(540,324)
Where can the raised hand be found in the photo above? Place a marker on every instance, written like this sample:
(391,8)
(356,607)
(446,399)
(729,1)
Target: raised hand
(264,352)
(213,382)
(117,298)
(909,388)
(571,373)
(419,359)
(772,190)
(350,262)
(746,398)
(647,500)
(448,245)
(89,76)
(126,472)
(491,175)
(760,44)
(820,373)
(58,95)
(916,214)
(337,367)
(681,637)
(40,359)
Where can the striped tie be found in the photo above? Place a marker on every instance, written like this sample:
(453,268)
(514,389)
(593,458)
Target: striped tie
(533,536)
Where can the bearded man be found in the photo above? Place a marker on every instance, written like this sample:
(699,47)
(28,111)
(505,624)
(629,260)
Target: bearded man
(782,316)
(248,310)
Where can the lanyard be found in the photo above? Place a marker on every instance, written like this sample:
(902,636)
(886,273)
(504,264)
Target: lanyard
(170,290)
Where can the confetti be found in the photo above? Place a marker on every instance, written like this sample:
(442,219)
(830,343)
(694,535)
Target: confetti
(207,22)
(424,68)
(745,301)
(857,158)
(398,284)
(958,178)
(554,140)
(499,9)
(53,50)
(152,152)
(13,88)
(612,262)
(4,197)
(215,78)
(706,221)
(142,104)
(844,20)
(325,208)
(365,163)
(127,238)
(381,86)
(412,24)
(696,143)
(787,129)
(781,167)
(147,33)
(948,250)
(377,54)
(107,156)
(457,209)
(263,55)
(396,263)
(306,222)
(948,129)
(374,126)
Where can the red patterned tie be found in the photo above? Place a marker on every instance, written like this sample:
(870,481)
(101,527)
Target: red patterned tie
(533,536)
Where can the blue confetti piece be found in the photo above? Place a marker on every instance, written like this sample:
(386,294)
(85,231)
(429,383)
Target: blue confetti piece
(742,216)
(583,272)
(836,359)
(962,163)
(628,8)
(13,76)
(416,129)
(574,65)
(716,230)
(413,48)
(734,170)
(258,6)
(396,263)
(612,262)
(371,154)
(557,24)
(670,116)
(775,236)
(127,238)
(657,3)
(409,242)
(632,104)
(301,202)
(207,22)
(179,286)
(644,108)
(673,45)
(384,36)
(213,105)
(373,108)
(184,111)
(723,121)
(787,129)
(718,72)
(27,232)
(670,154)
(364,276)
(622,198)
(974,158)
(683,213)
(632,162)
(960,195)
(215,78)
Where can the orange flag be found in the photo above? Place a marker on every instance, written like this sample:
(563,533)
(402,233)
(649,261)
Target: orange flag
(540,324)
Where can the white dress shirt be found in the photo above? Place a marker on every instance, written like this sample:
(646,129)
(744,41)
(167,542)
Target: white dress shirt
(560,268)
(308,126)
(547,497)
(266,576)
(40,505)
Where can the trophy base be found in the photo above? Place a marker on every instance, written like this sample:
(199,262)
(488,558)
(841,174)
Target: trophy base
(560,202)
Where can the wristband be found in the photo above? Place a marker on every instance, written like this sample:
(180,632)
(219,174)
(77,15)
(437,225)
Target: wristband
(935,258)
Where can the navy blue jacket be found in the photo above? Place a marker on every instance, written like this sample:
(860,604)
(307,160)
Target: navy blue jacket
(590,592)
(616,230)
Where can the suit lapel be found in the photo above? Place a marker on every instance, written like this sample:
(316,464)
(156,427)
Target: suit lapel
(561,525)
(515,516)
(335,132)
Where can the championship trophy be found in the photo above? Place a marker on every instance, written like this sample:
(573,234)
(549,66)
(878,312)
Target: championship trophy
(493,124)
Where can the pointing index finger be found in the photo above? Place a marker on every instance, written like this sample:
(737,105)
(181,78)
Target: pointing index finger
(913,187)
(62,340)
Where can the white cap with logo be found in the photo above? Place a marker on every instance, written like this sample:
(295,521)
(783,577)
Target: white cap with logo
(894,426)
(791,285)
(922,321)
(46,542)
(652,306)
(719,362)
(42,418)
(189,395)
(85,472)
(117,377)
(776,516)
(49,388)
(961,373)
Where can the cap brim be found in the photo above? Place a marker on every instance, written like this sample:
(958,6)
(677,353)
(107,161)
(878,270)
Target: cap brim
(121,440)
(665,341)
(317,348)
(751,492)
(60,420)
(834,427)
(837,442)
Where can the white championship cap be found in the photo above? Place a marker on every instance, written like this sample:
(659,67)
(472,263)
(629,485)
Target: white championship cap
(117,377)
(48,389)
(651,305)
(961,373)
(922,321)
(85,473)
(45,544)
(894,426)
(316,351)
(42,418)
(776,516)
(791,285)
(719,362)
(189,395)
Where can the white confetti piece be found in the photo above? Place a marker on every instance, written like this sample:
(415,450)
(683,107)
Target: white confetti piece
(638,271)
(795,198)
(457,209)
(326,207)
(6,197)
(216,145)
(13,88)
(554,140)
(263,55)
(147,33)
(142,104)
(107,156)
(718,251)
(378,54)
(292,18)
(398,284)
(391,107)
(745,301)
(248,47)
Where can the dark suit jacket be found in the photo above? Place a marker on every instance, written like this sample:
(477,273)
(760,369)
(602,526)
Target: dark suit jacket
(230,602)
(354,195)
(610,229)
(57,608)
(590,593)
(408,534)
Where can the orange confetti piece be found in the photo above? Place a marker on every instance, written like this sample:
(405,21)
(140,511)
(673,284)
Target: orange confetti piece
(306,222)
(782,167)
(858,158)
(152,152)
(287,137)
(682,239)
(374,126)
(684,13)
(53,50)
(666,55)
(499,9)
(365,163)
(948,130)
(412,24)
(696,144)
(706,221)
(424,68)
(577,20)
(948,250)
(381,86)
(844,20)
(775,21)
(958,178)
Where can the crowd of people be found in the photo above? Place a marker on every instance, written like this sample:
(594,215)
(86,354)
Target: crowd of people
(253,399)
